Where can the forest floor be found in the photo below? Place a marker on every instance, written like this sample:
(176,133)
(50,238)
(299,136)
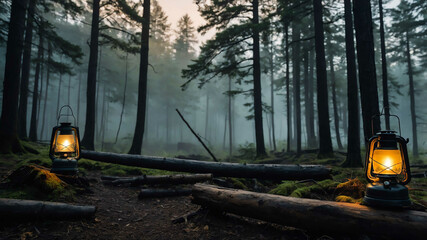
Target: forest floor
(121,215)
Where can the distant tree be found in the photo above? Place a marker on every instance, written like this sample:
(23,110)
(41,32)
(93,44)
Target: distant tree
(244,37)
(9,141)
(353,135)
(366,64)
(409,30)
(384,67)
(325,142)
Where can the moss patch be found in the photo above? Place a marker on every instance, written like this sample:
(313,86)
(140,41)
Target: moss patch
(285,189)
(353,188)
(343,198)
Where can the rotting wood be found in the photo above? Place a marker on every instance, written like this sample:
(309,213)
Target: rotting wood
(158,193)
(161,179)
(25,210)
(314,215)
(220,169)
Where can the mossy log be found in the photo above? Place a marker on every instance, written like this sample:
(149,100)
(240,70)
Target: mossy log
(218,169)
(25,210)
(316,216)
(161,179)
(158,193)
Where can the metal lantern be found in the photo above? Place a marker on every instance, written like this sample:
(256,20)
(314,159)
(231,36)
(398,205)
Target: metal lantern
(65,146)
(387,170)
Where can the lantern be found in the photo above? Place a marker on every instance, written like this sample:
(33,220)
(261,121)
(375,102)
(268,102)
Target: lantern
(387,170)
(65,146)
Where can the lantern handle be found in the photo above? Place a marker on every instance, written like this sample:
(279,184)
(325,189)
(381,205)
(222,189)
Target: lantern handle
(59,115)
(390,115)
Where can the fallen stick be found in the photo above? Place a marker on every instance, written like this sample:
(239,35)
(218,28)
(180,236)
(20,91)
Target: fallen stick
(157,193)
(218,169)
(163,179)
(18,209)
(188,216)
(314,215)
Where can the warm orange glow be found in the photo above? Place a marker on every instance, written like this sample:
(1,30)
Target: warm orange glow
(65,143)
(387,162)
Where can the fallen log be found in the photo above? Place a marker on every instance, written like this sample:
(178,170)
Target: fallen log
(18,209)
(158,193)
(218,169)
(314,215)
(163,179)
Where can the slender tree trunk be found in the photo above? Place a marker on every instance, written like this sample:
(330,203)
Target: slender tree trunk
(353,134)
(26,67)
(288,98)
(296,75)
(271,61)
(78,98)
(8,122)
(101,124)
(98,121)
(89,134)
(412,97)
(40,92)
(366,65)
(33,122)
(124,99)
(59,92)
(386,104)
(225,131)
(310,103)
(49,58)
(142,89)
(259,131)
(230,127)
(207,115)
(325,142)
(335,104)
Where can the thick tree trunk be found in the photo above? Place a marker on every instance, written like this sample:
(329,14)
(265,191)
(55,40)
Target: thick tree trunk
(25,77)
(49,58)
(33,122)
(386,104)
(218,169)
(27,210)
(9,114)
(89,133)
(366,65)
(316,216)
(412,97)
(296,75)
(353,135)
(259,131)
(325,142)
(162,179)
(142,88)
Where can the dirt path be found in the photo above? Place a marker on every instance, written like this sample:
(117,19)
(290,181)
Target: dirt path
(120,215)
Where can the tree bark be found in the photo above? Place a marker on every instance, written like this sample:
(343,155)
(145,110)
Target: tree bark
(261,171)
(89,133)
(162,179)
(230,128)
(386,104)
(9,115)
(142,88)
(325,142)
(316,216)
(296,75)
(288,97)
(353,135)
(310,104)
(366,65)
(26,210)
(33,122)
(412,98)
(259,131)
(271,62)
(26,67)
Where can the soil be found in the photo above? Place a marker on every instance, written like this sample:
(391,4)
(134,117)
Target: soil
(121,215)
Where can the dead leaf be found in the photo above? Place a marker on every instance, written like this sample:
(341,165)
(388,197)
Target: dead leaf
(26,235)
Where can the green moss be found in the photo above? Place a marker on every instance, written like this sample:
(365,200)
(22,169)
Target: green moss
(285,189)
(323,188)
(343,198)
(239,183)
